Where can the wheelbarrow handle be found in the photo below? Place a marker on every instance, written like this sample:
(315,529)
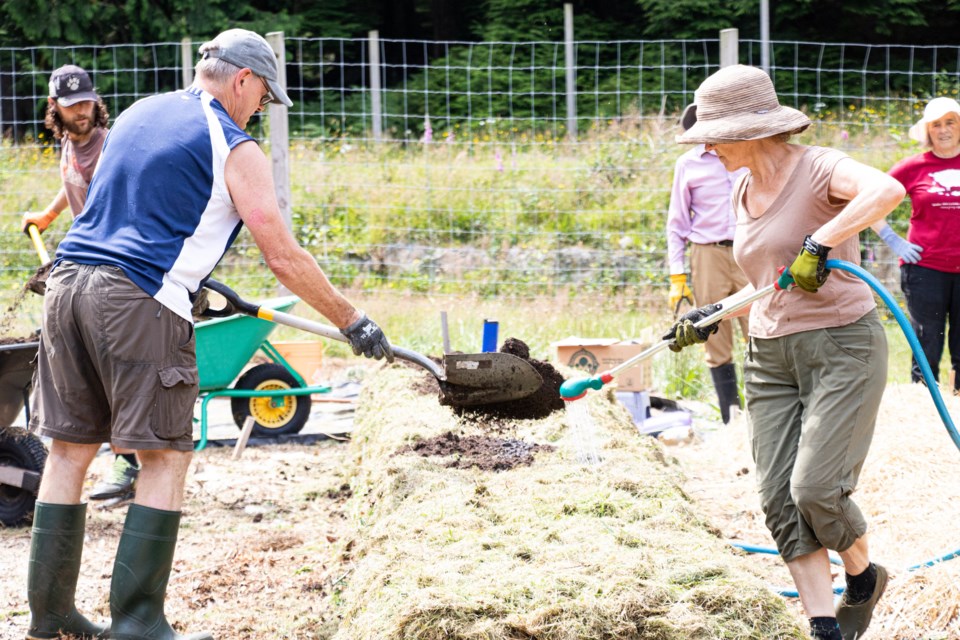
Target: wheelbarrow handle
(235,304)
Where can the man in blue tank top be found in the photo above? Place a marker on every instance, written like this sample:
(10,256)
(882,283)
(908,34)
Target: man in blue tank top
(177,178)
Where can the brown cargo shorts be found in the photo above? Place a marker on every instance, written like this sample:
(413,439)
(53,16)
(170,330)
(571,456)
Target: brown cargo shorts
(114,365)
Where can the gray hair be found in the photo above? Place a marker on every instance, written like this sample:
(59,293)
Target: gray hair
(214,70)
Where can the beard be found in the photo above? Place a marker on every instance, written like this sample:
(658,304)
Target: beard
(79,127)
(78,123)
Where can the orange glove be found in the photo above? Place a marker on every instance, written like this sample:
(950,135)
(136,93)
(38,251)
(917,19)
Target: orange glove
(679,290)
(42,220)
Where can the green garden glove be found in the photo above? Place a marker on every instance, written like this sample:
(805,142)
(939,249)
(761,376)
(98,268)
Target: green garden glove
(684,334)
(809,270)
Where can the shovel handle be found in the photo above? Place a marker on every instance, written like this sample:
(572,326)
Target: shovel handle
(34,232)
(235,304)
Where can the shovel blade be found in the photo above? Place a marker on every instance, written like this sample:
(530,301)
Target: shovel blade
(486,378)
(38,281)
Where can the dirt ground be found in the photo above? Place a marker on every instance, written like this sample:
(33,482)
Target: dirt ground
(259,536)
(255,534)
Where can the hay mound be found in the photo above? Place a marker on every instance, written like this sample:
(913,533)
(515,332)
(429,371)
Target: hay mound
(552,550)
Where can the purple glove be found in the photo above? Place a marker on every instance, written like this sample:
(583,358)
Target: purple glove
(906,250)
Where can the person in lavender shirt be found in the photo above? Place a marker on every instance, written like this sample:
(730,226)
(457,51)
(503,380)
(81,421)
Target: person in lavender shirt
(700,215)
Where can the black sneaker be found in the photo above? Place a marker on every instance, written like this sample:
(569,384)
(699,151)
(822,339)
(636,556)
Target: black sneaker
(855,618)
(123,481)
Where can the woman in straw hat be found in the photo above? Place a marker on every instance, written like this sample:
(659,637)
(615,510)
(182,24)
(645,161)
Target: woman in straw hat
(816,363)
(931,286)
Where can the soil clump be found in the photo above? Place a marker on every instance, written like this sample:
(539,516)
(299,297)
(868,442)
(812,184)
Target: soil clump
(33,337)
(484,452)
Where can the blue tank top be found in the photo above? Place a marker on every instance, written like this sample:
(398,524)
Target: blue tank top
(158,205)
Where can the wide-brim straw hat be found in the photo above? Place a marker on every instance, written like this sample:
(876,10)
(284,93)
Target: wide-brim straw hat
(935,109)
(738,103)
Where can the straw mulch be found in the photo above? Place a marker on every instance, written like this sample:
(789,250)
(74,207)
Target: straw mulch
(555,550)
(909,491)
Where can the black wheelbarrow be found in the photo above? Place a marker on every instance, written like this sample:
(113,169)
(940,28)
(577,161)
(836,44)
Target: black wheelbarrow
(22,454)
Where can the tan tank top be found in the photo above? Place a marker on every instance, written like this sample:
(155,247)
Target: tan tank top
(763,245)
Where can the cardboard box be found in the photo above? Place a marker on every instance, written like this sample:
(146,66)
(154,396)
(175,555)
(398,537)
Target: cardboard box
(305,356)
(596,355)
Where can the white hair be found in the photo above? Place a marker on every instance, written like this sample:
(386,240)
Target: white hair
(214,70)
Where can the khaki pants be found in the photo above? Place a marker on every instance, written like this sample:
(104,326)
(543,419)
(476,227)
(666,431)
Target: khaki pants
(812,403)
(715,276)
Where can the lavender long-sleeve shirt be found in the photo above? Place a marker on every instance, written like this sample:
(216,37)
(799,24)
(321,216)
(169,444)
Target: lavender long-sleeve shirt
(700,209)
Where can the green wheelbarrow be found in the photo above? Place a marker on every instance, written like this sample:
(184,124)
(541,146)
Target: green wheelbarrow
(273,393)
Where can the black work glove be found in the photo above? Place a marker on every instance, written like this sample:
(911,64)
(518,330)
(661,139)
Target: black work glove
(367,338)
(809,270)
(684,334)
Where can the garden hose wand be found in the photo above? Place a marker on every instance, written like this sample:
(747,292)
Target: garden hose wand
(575,389)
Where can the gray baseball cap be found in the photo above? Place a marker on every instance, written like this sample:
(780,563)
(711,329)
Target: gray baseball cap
(70,84)
(247,49)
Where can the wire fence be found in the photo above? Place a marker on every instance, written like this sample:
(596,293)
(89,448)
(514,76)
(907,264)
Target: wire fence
(461,172)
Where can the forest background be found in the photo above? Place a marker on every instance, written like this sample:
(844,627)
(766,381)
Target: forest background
(64,22)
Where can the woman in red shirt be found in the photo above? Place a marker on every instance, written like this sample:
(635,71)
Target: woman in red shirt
(931,286)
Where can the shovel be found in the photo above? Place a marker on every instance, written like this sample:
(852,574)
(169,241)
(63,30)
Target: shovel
(466,379)
(38,282)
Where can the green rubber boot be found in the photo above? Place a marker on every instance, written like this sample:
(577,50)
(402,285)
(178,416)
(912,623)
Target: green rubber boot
(55,549)
(140,575)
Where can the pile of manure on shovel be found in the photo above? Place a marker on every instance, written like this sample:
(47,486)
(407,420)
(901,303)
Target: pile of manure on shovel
(540,404)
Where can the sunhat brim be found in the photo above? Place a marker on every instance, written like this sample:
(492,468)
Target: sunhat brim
(739,127)
(919,130)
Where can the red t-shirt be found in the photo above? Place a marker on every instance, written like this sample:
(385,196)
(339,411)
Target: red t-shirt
(933,185)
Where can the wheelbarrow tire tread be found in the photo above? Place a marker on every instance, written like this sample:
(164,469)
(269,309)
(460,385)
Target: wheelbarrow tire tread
(290,418)
(22,449)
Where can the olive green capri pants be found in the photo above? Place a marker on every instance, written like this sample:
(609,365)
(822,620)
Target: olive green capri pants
(812,403)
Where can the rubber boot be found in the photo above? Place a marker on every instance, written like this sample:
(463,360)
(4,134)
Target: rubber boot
(55,549)
(140,575)
(725,382)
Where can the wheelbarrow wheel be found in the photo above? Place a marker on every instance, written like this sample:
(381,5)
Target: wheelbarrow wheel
(274,416)
(23,450)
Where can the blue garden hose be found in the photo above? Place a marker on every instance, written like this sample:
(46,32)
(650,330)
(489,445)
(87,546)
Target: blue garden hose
(932,385)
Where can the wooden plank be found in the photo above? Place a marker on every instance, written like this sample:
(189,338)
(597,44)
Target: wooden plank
(244,437)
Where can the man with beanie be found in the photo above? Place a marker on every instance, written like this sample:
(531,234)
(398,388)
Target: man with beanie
(177,179)
(701,215)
